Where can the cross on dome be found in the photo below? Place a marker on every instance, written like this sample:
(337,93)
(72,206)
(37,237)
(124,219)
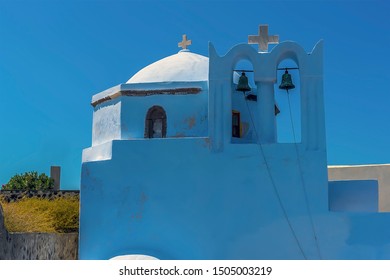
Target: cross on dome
(184,43)
(263,39)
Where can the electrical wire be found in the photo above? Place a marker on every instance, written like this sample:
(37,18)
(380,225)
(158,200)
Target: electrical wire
(301,177)
(273,183)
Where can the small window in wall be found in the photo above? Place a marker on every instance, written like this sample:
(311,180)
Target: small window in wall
(236,124)
(156,123)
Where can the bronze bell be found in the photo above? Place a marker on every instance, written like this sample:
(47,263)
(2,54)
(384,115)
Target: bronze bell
(243,83)
(286,81)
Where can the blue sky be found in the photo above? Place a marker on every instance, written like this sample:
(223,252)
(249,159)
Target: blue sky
(54,55)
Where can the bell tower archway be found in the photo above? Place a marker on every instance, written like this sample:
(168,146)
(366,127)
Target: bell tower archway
(265,71)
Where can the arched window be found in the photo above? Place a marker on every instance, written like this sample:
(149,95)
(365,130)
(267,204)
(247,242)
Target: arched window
(156,123)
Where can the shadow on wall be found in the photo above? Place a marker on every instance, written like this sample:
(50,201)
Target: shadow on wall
(36,246)
(353,196)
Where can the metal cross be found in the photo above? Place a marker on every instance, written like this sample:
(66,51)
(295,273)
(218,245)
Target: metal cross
(263,39)
(183,44)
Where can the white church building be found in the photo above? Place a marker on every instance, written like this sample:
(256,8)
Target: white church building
(185,166)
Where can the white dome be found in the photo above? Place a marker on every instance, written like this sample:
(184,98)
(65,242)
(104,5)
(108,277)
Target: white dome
(184,66)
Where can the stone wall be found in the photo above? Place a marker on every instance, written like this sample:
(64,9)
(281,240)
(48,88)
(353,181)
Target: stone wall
(4,237)
(37,246)
(12,196)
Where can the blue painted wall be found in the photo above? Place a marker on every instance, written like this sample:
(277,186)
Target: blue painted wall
(196,204)
(186,114)
(203,205)
(354,195)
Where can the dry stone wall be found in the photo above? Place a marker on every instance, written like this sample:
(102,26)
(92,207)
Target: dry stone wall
(4,238)
(12,196)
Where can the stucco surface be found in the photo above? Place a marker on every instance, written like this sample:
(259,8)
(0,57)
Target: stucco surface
(183,66)
(199,207)
(193,204)
(106,122)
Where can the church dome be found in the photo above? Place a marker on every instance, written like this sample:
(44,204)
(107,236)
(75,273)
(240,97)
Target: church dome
(184,66)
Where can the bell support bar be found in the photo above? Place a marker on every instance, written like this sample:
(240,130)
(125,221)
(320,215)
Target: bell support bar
(242,70)
(288,68)
(284,68)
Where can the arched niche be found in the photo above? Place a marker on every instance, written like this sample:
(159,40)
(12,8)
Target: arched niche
(156,122)
(289,103)
(244,103)
(289,51)
(222,67)
(220,91)
(310,65)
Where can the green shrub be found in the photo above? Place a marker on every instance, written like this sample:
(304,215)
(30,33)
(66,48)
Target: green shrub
(29,181)
(42,215)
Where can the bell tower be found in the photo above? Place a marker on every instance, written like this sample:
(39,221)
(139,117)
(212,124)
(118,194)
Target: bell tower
(295,172)
(265,68)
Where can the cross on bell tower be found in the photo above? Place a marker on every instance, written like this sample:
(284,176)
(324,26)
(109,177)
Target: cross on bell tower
(263,39)
(184,43)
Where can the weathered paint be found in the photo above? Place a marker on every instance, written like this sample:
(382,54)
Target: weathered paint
(122,116)
(178,108)
(106,122)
